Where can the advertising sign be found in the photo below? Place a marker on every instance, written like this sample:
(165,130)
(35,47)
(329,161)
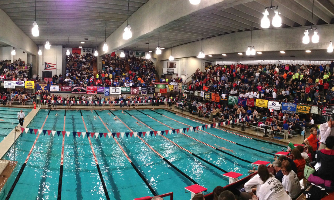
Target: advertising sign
(29,85)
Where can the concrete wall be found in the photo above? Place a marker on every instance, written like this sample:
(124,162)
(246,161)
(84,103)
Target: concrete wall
(54,56)
(5,53)
(20,54)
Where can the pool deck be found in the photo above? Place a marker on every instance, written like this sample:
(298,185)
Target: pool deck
(8,141)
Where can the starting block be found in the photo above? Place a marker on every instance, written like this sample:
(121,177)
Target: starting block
(259,162)
(282,153)
(195,189)
(233,177)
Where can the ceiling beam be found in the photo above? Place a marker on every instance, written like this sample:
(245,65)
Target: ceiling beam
(317,12)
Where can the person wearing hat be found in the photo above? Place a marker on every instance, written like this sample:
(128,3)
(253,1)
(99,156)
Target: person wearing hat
(277,166)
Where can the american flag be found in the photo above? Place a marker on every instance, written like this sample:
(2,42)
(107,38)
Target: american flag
(50,66)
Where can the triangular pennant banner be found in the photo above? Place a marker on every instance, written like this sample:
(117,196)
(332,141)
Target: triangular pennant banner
(101,134)
(118,134)
(109,134)
(79,134)
(63,133)
(75,134)
(27,129)
(206,126)
(187,129)
(166,131)
(122,134)
(177,130)
(44,132)
(173,130)
(53,133)
(203,127)
(49,132)
(22,129)
(87,134)
(155,133)
(131,134)
(140,133)
(159,132)
(58,133)
(96,135)
(127,134)
(135,134)
(113,135)
(39,131)
(35,131)
(151,133)
(144,134)
(162,132)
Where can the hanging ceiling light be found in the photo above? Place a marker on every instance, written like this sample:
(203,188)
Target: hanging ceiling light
(96,53)
(35,30)
(330,47)
(201,54)
(158,49)
(315,37)
(105,46)
(253,51)
(127,30)
(248,51)
(195,2)
(40,52)
(68,52)
(306,38)
(171,58)
(148,54)
(13,52)
(122,55)
(47,45)
(277,20)
(265,21)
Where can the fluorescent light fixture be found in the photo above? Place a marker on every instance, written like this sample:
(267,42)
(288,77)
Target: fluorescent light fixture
(195,2)
(282,51)
(82,42)
(162,48)
(330,47)
(171,58)
(122,55)
(259,52)
(201,54)
(240,54)
(210,55)
(80,47)
(308,51)
(223,54)
(150,51)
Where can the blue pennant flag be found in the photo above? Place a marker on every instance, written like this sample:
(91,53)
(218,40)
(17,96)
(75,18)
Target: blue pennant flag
(101,134)
(173,130)
(194,128)
(113,135)
(127,134)
(162,132)
(31,130)
(184,130)
(151,133)
(44,132)
(58,133)
(74,134)
(203,127)
(140,133)
(87,134)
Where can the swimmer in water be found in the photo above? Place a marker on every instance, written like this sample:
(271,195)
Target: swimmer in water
(95,117)
(223,148)
(138,123)
(109,113)
(56,114)
(115,118)
(2,120)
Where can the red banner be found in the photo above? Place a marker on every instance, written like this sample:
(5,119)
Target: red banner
(250,102)
(91,90)
(163,90)
(134,90)
(66,89)
(47,80)
(76,50)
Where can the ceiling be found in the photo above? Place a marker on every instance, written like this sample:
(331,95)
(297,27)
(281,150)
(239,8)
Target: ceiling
(61,21)
(75,20)
(223,19)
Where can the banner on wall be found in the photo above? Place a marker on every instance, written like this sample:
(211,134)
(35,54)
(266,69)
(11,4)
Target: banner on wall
(9,84)
(327,111)
(315,110)
(49,66)
(303,109)
(207,96)
(232,100)
(274,105)
(171,87)
(42,87)
(289,107)
(125,90)
(160,86)
(144,91)
(18,83)
(91,90)
(79,90)
(262,103)
(242,102)
(115,90)
(66,89)
(54,88)
(76,50)
(163,90)
(150,90)
(106,91)
(100,89)
(250,102)
(29,85)
(134,90)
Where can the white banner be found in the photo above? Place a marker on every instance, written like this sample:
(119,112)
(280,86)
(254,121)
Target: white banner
(9,84)
(115,90)
(54,88)
(18,83)
(314,110)
(274,105)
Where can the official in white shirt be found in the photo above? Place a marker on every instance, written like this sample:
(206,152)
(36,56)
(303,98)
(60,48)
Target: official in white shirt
(325,131)
(290,180)
(21,116)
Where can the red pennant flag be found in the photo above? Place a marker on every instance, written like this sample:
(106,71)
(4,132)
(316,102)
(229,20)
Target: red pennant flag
(63,132)
(105,134)
(155,133)
(49,132)
(131,134)
(118,134)
(144,133)
(79,134)
(197,128)
(187,129)
(206,126)
(92,134)
(35,130)
(22,129)
(166,131)
(177,130)
(222,123)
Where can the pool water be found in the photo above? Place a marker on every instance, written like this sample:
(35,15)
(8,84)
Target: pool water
(81,180)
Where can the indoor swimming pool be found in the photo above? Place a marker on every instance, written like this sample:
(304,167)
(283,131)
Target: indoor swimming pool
(123,160)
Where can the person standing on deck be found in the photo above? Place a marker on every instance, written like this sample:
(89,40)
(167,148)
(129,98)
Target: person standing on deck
(21,116)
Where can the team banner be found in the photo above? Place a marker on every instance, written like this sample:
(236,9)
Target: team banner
(29,85)
(100,90)
(202,94)
(134,90)
(144,91)
(125,90)
(289,107)
(150,90)
(163,90)
(261,103)
(66,88)
(303,109)
(171,87)
(250,102)
(106,91)
(54,88)
(9,84)
(42,87)
(115,90)
(315,110)
(242,102)
(327,111)
(274,105)
(79,90)
(160,86)
(207,96)
(232,100)
(91,90)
